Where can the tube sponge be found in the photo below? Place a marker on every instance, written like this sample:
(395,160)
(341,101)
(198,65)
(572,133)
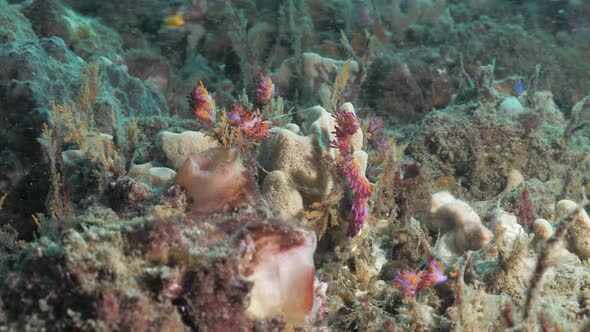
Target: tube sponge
(216,180)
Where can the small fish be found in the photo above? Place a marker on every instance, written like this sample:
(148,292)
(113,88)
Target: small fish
(519,87)
(176,20)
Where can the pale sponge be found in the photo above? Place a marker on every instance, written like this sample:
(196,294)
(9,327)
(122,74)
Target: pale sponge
(177,147)
(281,192)
(216,180)
(298,174)
(283,273)
(578,234)
(459,225)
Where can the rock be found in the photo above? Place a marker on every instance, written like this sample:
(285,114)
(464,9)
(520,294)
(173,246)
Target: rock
(33,75)
(127,94)
(86,36)
(152,69)
(127,196)
(404,91)
(13,24)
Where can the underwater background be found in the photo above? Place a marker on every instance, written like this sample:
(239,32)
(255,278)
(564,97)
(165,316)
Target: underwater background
(290,165)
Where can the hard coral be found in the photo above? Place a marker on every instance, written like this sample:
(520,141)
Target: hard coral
(216,180)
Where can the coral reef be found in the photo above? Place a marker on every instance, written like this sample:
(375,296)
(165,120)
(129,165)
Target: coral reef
(199,165)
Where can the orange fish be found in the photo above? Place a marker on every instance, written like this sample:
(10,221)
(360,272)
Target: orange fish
(176,20)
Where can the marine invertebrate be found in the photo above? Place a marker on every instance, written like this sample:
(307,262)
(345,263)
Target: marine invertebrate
(216,180)
(578,233)
(264,89)
(317,72)
(409,281)
(249,123)
(282,270)
(3,199)
(460,226)
(572,218)
(346,126)
(375,139)
(202,104)
(231,128)
(175,148)
(299,160)
(433,276)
